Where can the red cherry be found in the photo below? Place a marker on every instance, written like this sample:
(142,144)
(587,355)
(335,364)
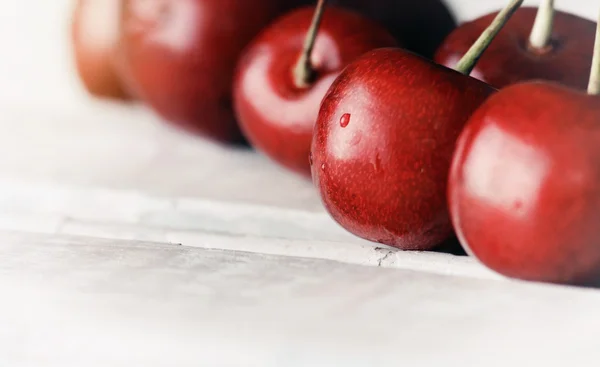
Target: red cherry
(383,175)
(94,36)
(511,59)
(384,139)
(182,53)
(276,111)
(524,188)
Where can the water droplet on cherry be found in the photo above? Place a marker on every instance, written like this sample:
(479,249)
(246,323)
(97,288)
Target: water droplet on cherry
(310,159)
(345,120)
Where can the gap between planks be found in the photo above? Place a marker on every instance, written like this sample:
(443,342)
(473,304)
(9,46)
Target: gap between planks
(350,253)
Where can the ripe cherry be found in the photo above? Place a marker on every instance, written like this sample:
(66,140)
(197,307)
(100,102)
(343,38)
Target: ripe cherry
(524,188)
(180,57)
(94,36)
(384,140)
(535,44)
(280,83)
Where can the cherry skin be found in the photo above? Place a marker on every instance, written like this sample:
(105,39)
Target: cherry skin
(181,55)
(276,115)
(510,60)
(524,188)
(94,37)
(383,143)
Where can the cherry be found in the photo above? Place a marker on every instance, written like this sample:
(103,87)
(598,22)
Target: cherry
(94,36)
(551,45)
(524,188)
(384,140)
(280,84)
(419,26)
(181,54)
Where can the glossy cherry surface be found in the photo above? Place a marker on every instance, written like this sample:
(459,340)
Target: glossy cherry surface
(182,54)
(383,143)
(276,115)
(524,188)
(509,59)
(94,37)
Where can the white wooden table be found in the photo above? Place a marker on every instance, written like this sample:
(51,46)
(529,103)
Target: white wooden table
(124,243)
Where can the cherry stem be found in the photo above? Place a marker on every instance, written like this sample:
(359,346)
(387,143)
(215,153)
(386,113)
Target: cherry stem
(304,71)
(541,33)
(594,86)
(469,60)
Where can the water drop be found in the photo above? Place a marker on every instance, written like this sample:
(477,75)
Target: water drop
(323,166)
(310,161)
(345,120)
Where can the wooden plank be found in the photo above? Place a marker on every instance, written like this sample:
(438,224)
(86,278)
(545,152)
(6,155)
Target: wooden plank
(74,301)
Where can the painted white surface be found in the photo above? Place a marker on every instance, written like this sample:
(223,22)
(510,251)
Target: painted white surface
(84,302)
(118,147)
(351,252)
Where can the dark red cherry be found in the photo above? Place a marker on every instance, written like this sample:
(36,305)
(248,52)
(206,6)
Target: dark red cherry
(511,58)
(180,57)
(524,188)
(383,143)
(276,112)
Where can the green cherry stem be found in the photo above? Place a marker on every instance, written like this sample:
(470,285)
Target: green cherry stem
(469,60)
(304,70)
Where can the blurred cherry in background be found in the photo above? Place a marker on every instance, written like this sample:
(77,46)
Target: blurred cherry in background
(95,35)
(180,57)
